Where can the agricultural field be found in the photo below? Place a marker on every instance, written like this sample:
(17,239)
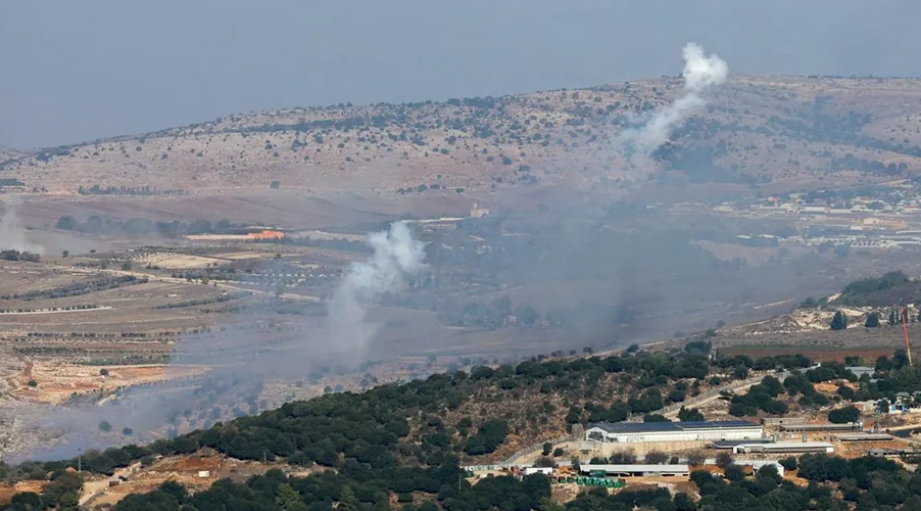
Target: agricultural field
(228,318)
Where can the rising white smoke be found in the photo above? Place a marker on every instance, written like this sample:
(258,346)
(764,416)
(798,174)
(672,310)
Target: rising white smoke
(700,73)
(396,254)
(12,234)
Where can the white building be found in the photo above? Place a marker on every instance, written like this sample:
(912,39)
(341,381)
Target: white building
(757,465)
(694,431)
(785,448)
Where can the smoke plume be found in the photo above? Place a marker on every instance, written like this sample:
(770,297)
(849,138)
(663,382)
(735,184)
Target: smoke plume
(396,253)
(700,73)
(12,234)
(239,363)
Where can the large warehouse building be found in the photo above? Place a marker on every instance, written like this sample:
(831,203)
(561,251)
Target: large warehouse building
(636,432)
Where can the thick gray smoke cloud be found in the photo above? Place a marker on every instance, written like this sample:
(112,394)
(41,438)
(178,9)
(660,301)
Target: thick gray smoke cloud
(12,234)
(700,73)
(396,253)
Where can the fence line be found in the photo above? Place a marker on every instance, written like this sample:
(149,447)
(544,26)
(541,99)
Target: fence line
(535,446)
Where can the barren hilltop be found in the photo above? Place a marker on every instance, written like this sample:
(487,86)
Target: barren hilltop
(792,132)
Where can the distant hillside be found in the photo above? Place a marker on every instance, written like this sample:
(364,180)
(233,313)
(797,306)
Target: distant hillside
(399,444)
(458,414)
(756,130)
(893,288)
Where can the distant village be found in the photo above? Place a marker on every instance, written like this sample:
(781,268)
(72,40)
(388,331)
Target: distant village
(886,216)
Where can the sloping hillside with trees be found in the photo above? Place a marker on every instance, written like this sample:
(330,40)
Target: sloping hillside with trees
(402,445)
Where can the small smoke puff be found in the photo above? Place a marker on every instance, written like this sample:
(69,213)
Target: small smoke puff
(700,73)
(12,234)
(396,253)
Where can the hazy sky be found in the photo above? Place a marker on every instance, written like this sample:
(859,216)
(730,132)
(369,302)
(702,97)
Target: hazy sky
(72,71)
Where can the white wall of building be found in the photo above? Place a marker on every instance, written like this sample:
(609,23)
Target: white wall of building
(752,433)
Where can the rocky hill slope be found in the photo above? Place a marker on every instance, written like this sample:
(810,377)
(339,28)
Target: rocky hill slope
(794,132)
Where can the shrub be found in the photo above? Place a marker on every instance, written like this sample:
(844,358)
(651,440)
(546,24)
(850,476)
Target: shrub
(844,415)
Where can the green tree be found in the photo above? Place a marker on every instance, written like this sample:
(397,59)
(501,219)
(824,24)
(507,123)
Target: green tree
(656,457)
(105,427)
(839,321)
(733,472)
(844,415)
(788,463)
(548,505)
(544,461)
(893,318)
(683,502)
(66,223)
(547,448)
(872,320)
(289,499)
(275,185)
(690,414)
(697,458)
(347,499)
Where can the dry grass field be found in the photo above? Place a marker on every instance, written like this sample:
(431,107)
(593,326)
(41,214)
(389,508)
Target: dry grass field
(786,131)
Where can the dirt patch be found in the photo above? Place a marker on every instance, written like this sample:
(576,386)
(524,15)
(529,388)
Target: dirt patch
(58,381)
(177,261)
(8,490)
(819,355)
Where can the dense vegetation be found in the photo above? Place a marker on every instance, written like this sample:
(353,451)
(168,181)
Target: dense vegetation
(405,442)
(893,288)
(354,488)
(62,493)
(861,484)
(868,483)
(421,422)
(78,288)
(16,255)
(108,225)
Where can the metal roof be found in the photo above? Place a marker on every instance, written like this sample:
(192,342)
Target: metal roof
(716,424)
(649,427)
(636,468)
(635,427)
(783,446)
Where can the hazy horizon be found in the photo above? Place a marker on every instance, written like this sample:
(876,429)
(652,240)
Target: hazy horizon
(77,72)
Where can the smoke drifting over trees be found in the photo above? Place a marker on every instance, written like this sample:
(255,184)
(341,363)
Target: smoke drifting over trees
(395,253)
(239,362)
(701,72)
(12,234)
